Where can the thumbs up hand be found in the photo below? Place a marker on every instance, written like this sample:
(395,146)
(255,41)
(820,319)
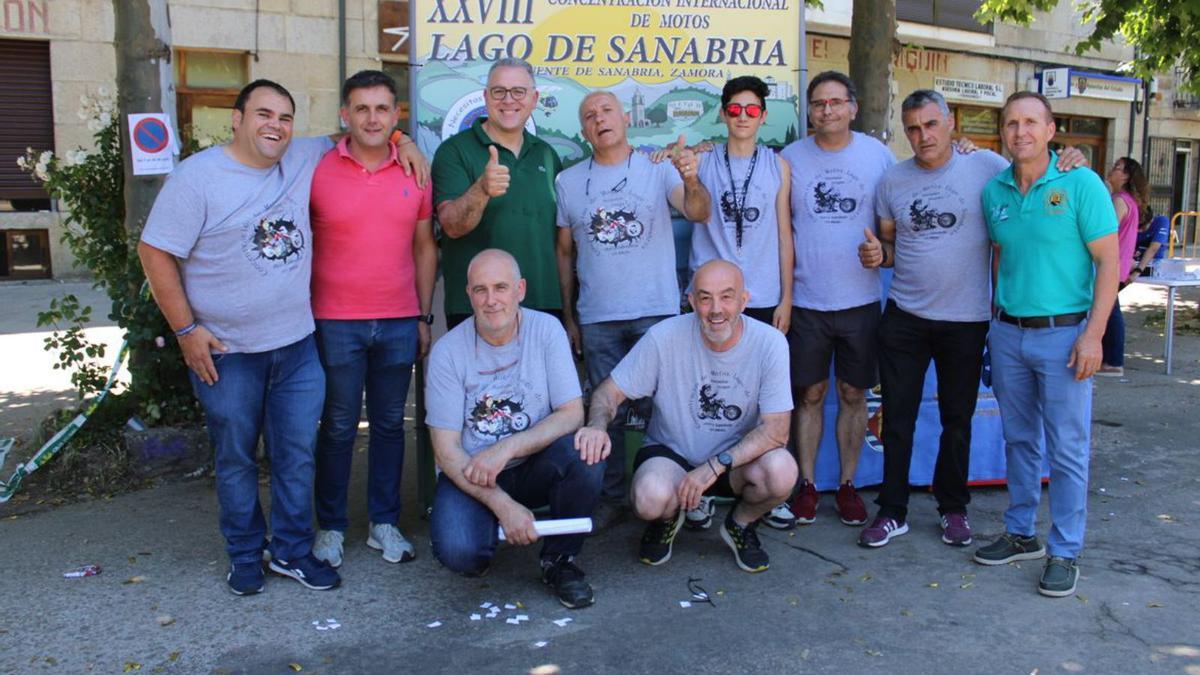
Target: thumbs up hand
(494,180)
(684,159)
(870,252)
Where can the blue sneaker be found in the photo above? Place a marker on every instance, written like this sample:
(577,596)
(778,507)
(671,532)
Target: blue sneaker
(245,578)
(310,572)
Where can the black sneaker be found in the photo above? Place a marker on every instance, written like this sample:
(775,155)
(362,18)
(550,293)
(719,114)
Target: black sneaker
(1059,577)
(310,572)
(747,551)
(658,539)
(567,579)
(245,578)
(1010,548)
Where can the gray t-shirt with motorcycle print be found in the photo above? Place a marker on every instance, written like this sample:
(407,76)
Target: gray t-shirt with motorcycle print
(943,254)
(706,401)
(833,200)
(487,392)
(748,184)
(620,220)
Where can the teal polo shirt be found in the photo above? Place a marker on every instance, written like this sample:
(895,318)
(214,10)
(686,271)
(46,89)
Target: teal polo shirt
(1045,266)
(521,221)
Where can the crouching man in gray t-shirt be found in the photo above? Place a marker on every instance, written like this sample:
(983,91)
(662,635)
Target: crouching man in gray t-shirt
(503,404)
(722,400)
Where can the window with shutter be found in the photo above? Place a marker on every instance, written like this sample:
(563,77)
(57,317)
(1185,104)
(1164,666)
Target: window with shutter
(26,114)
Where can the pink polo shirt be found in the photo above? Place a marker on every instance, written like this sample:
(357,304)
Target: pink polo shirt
(363,224)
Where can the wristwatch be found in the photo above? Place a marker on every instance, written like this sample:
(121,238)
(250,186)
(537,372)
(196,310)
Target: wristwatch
(725,459)
(426,318)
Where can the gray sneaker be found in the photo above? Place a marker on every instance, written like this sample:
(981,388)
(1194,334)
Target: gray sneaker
(1059,577)
(701,517)
(1010,548)
(387,538)
(328,547)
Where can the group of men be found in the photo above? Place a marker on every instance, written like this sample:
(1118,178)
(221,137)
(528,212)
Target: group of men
(543,263)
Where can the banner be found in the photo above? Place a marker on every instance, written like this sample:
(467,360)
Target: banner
(666,61)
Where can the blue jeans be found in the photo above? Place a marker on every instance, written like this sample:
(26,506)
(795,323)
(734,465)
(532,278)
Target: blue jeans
(1040,399)
(380,354)
(463,531)
(604,345)
(275,394)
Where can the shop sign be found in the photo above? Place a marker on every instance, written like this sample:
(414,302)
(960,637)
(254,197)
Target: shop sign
(969,90)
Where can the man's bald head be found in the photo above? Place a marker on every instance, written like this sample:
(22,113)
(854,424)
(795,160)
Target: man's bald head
(490,259)
(715,276)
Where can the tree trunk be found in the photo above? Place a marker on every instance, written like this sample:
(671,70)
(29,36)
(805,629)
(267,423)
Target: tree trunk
(872,37)
(144,85)
(144,77)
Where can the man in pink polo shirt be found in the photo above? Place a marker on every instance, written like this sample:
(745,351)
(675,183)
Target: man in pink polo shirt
(374,265)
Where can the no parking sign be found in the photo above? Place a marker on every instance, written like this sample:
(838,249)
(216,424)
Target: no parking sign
(152,144)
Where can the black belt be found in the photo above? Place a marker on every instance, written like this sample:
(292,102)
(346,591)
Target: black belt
(1057,321)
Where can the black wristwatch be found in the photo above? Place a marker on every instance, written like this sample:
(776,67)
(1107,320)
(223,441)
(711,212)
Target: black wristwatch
(426,318)
(725,459)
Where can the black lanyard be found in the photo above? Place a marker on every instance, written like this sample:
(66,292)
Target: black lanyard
(739,204)
(587,189)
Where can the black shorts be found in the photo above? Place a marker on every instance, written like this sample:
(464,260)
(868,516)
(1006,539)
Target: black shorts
(763,314)
(721,488)
(845,336)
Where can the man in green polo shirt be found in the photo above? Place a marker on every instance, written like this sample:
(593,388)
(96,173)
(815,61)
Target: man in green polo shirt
(493,187)
(1056,237)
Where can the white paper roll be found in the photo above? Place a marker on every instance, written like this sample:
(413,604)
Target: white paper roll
(550,528)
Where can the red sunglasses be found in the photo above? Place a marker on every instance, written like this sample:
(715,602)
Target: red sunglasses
(753,110)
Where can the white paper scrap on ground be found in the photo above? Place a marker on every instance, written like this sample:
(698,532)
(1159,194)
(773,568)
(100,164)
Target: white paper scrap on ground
(512,621)
(550,528)
(486,605)
(435,624)
(510,606)
(522,617)
(476,617)
(562,622)
(540,643)
(684,604)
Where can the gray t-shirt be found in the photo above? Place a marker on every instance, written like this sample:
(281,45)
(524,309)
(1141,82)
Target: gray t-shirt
(943,266)
(758,255)
(706,401)
(243,241)
(620,220)
(833,198)
(489,392)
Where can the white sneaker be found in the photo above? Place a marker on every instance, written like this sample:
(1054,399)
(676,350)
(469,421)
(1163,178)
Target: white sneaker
(701,517)
(780,517)
(387,538)
(328,547)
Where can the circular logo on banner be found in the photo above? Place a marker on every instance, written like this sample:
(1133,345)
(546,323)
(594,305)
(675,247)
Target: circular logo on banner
(466,110)
(151,135)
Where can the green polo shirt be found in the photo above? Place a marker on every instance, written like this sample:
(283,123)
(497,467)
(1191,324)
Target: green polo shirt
(521,221)
(1045,266)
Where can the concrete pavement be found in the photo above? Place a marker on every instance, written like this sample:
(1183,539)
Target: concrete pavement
(826,605)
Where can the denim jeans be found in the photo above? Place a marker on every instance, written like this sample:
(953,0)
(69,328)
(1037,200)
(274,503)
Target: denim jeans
(906,345)
(1114,337)
(1040,400)
(605,343)
(377,353)
(275,394)
(463,531)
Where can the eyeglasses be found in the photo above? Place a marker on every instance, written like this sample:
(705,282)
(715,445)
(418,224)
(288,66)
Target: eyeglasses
(517,93)
(753,110)
(831,103)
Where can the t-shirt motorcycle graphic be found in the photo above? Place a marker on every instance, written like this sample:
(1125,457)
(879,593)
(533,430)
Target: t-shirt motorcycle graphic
(615,227)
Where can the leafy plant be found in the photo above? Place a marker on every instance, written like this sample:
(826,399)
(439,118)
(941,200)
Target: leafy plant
(89,186)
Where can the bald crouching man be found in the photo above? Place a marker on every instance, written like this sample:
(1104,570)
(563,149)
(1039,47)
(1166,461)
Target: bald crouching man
(722,401)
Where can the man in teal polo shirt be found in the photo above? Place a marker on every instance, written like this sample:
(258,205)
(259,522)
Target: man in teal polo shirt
(493,187)
(1055,235)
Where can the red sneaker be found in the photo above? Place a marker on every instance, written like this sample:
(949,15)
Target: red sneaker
(849,506)
(804,506)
